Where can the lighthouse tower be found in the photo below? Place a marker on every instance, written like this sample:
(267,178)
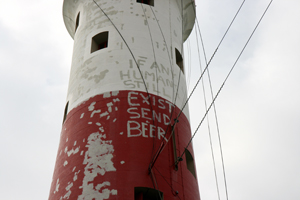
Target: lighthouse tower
(123,130)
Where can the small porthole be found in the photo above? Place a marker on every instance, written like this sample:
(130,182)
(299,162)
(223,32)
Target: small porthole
(77,21)
(179,60)
(99,41)
(66,112)
(148,2)
(190,162)
(145,193)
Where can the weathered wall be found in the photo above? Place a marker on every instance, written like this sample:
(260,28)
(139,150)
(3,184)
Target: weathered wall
(122,102)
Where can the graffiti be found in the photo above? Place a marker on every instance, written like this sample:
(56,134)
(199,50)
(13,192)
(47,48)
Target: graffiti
(139,109)
(157,79)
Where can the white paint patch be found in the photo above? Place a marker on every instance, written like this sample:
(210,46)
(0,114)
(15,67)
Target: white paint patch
(115,120)
(101,129)
(81,115)
(107,118)
(74,169)
(109,105)
(66,149)
(75,143)
(114,192)
(122,162)
(69,186)
(67,195)
(95,111)
(121,133)
(65,163)
(57,186)
(106,95)
(115,93)
(104,114)
(116,99)
(76,176)
(81,153)
(98,161)
(98,124)
(72,151)
(90,123)
(67,139)
(116,108)
(92,107)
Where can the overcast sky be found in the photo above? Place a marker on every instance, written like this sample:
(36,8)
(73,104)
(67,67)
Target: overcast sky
(258,109)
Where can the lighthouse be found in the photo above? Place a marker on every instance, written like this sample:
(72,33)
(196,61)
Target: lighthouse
(125,126)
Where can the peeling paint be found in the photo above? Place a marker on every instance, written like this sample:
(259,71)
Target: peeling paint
(65,163)
(92,107)
(98,161)
(95,111)
(104,114)
(57,186)
(81,115)
(117,99)
(76,176)
(72,151)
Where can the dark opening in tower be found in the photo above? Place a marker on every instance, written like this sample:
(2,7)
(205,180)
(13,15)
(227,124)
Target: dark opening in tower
(77,21)
(99,41)
(144,193)
(66,112)
(190,162)
(148,2)
(179,60)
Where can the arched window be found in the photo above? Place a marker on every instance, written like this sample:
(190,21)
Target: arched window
(99,41)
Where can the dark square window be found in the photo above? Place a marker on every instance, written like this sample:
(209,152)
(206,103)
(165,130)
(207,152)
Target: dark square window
(99,41)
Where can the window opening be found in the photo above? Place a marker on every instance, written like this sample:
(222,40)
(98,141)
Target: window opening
(99,41)
(179,60)
(190,162)
(66,112)
(77,21)
(145,193)
(148,2)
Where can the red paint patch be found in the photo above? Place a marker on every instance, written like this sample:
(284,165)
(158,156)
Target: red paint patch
(108,142)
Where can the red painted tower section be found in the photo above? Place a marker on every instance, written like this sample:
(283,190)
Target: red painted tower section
(120,138)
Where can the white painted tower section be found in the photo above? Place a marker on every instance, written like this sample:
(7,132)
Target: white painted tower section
(151,33)
(122,133)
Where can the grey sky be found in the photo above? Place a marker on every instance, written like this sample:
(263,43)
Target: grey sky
(258,108)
